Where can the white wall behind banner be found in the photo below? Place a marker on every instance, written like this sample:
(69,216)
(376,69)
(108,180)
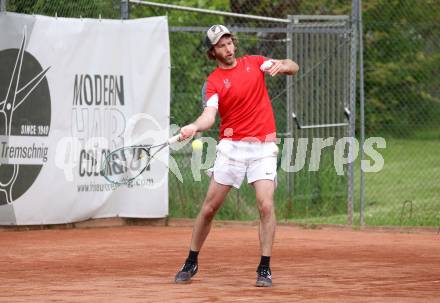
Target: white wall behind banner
(70,88)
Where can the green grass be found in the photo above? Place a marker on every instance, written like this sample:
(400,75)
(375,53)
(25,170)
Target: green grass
(320,193)
(411,173)
(410,179)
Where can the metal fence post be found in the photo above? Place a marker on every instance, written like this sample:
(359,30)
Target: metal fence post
(362,114)
(124,9)
(3,4)
(353,70)
(289,104)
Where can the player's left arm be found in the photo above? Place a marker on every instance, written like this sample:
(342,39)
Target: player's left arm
(285,67)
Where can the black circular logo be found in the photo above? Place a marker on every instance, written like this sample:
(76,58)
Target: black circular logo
(25,113)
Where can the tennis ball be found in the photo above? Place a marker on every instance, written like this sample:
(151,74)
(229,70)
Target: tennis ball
(197,145)
(266,65)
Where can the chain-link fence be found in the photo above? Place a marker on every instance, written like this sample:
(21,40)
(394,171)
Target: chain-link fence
(325,50)
(323,45)
(321,106)
(188,76)
(402,101)
(402,94)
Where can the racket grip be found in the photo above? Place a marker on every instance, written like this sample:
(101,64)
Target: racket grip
(174,139)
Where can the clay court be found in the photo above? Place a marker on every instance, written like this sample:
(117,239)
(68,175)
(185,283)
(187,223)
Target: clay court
(138,264)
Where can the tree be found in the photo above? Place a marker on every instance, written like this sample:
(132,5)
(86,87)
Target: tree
(401,62)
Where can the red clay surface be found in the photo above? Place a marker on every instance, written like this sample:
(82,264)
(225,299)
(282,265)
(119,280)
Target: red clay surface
(138,264)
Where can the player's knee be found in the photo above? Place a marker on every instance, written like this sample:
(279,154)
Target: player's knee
(266,208)
(208,212)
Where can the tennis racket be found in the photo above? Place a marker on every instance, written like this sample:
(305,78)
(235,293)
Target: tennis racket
(125,164)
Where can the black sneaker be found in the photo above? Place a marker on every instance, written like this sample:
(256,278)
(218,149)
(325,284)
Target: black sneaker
(264,277)
(188,270)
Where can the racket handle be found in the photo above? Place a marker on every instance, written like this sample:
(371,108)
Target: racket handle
(174,139)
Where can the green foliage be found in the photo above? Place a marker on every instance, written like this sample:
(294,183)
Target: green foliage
(179,17)
(402,60)
(66,8)
(190,65)
(401,63)
(325,7)
(269,8)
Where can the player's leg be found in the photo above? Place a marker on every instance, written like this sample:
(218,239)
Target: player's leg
(262,174)
(264,190)
(214,199)
(226,173)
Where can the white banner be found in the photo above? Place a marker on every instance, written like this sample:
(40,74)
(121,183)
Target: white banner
(71,90)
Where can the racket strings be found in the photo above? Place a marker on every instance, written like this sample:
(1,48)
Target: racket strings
(125,164)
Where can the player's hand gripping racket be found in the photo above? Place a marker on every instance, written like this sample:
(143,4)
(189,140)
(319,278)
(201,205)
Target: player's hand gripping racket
(125,164)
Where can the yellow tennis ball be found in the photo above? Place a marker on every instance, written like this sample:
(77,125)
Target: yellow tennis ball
(197,145)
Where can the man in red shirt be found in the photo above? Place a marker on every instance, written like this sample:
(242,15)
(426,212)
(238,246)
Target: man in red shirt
(236,89)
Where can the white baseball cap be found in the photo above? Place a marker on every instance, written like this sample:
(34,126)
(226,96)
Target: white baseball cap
(214,34)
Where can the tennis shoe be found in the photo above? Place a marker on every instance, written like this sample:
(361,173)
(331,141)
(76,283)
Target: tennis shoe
(264,277)
(188,270)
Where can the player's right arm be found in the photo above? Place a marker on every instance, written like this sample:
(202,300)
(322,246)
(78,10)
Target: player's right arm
(202,123)
(207,119)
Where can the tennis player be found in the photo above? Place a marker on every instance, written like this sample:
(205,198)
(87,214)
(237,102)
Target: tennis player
(236,90)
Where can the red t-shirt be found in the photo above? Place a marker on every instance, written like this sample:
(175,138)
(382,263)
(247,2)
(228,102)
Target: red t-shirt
(243,102)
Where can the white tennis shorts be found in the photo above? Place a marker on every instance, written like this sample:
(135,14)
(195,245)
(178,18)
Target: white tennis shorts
(236,160)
